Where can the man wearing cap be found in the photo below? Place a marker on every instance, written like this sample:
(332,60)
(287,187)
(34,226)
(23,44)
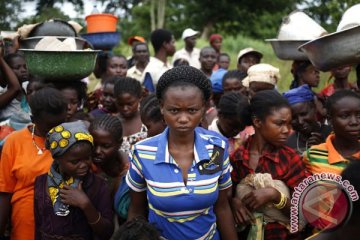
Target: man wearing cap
(142,57)
(189,52)
(132,41)
(248,57)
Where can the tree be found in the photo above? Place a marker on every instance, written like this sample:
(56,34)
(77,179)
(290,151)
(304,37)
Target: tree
(9,13)
(328,13)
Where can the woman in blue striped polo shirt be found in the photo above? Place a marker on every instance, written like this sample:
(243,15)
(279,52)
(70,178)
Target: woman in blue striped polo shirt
(180,178)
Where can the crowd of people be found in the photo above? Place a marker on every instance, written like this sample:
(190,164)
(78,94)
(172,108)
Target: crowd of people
(180,149)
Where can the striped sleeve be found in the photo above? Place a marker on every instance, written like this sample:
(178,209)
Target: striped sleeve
(225,178)
(135,178)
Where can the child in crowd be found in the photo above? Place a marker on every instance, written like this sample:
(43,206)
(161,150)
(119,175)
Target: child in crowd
(107,99)
(136,229)
(74,93)
(224,61)
(151,115)
(232,82)
(233,114)
(128,93)
(70,201)
(343,110)
(111,163)
(17,64)
(107,66)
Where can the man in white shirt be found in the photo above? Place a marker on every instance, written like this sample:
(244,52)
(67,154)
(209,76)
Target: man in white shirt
(141,57)
(189,52)
(164,46)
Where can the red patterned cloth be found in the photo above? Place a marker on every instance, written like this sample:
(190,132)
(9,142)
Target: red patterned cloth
(282,163)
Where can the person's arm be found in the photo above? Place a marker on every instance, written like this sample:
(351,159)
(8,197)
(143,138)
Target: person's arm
(13,85)
(224,218)
(138,205)
(101,225)
(4,210)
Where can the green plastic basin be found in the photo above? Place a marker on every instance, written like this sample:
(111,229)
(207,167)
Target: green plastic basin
(60,65)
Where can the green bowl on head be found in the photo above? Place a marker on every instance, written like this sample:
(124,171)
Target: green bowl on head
(60,65)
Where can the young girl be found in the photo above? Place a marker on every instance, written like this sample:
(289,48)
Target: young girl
(182,175)
(75,94)
(107,99)
(343,109)
(265,153)
(70,201)
(109,160)
(18,103)
(233,118)
(151,115)
(128,94)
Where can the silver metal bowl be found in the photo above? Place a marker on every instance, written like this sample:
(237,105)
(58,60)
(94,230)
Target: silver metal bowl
(334,50)
(288,49)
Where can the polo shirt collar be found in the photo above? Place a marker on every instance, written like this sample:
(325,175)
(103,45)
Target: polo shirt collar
(333,155)
(200,150)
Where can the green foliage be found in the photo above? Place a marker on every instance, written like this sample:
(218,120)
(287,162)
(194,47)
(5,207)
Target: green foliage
(9,11)
(45,14)
(328,12)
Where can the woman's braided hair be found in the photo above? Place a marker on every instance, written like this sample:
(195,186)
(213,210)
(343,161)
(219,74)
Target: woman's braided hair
(183,76)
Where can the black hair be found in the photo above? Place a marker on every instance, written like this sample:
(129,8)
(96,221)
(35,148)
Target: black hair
(47,100)
(137,228)
(206,48)
(79,86)
(338,95)
(183,76)
(181,62)
(150,108)
(298,68)
(8,58)
(234,74)
(234,104)
(138,44)
(111,56)
(101,63)
(266,101)
(111,80)
(158,37)
(127,85)
(109,123)
(224,54)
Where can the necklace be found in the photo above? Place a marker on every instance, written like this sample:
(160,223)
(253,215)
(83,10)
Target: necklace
(297,145)
(40,150)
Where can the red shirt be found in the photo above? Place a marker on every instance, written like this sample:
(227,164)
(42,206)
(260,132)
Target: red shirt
(282,163)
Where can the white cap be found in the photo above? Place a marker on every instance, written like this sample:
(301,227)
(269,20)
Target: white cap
(189,33)
(262,72)
(245,51)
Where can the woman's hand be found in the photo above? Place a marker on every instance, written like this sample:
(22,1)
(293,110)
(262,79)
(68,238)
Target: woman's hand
(241,213)
(258,198)
(315,139)
(74,196)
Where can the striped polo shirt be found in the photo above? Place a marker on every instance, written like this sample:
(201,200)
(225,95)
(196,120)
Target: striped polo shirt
(177,210)
(324,158)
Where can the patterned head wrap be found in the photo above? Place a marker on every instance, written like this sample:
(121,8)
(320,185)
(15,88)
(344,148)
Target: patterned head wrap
(299,95)
(58,141)
(60,138)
